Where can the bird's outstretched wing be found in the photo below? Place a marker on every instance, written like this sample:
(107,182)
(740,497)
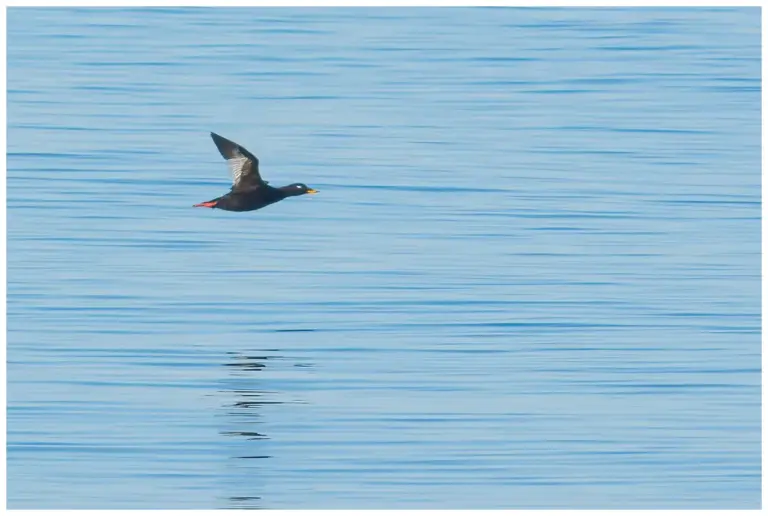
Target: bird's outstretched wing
(243,165)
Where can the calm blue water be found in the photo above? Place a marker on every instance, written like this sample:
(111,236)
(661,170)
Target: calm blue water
(531,278)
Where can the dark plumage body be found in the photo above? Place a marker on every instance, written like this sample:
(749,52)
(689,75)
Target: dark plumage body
(251,200)
(249,191)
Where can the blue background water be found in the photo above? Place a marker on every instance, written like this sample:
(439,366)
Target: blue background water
(531,278)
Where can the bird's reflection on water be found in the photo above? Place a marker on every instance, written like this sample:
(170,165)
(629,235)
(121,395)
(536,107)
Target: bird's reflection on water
(244,502)
(244,400)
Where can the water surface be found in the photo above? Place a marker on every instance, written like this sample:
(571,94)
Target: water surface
(531,278)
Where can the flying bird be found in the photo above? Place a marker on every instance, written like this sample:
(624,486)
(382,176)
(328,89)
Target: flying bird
(249,191)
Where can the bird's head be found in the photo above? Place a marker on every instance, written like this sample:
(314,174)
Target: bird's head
(298,189)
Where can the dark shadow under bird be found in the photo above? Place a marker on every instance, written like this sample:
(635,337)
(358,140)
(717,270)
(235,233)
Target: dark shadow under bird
(249,191)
